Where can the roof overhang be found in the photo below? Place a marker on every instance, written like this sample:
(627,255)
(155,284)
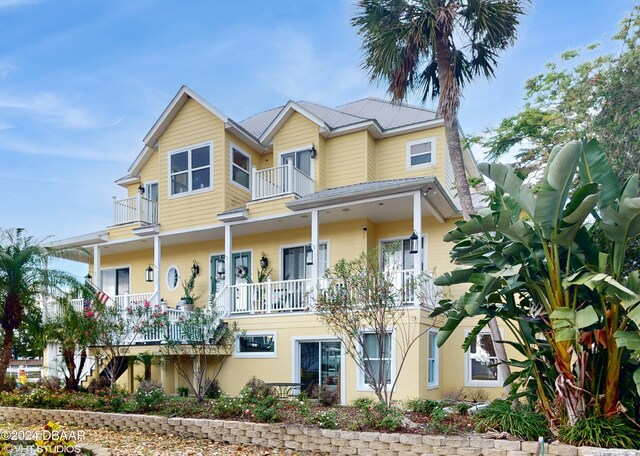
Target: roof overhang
(429,186)
(127,180)
(287,111)
(83,240)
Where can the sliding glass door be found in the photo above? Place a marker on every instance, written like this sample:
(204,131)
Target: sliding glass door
(319,363)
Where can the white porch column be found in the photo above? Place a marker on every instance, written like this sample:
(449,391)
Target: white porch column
(96,267)
(315,245)
(417,227)
(228,249)
(157,255)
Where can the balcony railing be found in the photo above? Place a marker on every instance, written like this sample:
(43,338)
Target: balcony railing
(136,209)
(281,180)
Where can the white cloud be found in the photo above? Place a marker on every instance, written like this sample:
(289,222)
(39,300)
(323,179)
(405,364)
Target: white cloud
(51,108)
(110,154)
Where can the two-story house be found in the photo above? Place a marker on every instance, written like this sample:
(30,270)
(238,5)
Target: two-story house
(296,187)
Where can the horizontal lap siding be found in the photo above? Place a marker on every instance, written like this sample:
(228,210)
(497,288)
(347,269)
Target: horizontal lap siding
(237,195)
(391,156)
(298,132)
(192,125)
(371,158)
(347,160)
(270,207)
(138,261)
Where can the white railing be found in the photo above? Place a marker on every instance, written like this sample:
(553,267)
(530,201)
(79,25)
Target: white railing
(281,180)
(135,209)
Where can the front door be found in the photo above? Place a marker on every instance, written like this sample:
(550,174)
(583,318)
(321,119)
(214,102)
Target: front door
(217,281)
(319,363)
(241,274)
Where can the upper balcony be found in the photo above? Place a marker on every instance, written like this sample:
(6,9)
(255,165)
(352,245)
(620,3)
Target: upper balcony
(281,180)
(137,209)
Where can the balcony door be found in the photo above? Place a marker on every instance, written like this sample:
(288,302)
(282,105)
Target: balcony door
(151,191)
(396,260)
(294,265)
(319,364)
(301,159)
(115,282)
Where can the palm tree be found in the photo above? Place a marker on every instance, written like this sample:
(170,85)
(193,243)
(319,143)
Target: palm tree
(25,280)
(436,47)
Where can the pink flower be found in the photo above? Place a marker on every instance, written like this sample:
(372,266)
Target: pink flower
(147,304)
(89,314)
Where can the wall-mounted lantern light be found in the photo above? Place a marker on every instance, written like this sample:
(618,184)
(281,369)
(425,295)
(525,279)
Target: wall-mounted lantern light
(195,269)
(314,152)
(264,261)
(309,254)
(413,243)
(141,189)
(148,274)
(220,271)
(88,278)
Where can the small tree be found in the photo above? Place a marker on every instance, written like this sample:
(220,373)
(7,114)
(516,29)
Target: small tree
(364,306)
(200,336)
(74,330)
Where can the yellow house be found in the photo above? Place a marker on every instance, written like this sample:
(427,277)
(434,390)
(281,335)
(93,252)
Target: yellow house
(299,187)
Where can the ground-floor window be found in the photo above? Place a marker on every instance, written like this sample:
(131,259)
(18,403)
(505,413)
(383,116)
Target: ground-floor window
(377,356)
(482,362)
(255,345)
(433,360)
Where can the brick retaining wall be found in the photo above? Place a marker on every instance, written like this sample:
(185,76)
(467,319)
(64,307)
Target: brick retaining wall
(303,438)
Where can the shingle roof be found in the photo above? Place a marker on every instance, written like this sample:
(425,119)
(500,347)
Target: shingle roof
(387,114)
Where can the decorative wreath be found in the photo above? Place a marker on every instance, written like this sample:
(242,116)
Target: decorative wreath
(242,271)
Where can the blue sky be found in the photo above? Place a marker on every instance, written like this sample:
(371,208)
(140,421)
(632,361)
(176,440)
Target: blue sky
(82,81)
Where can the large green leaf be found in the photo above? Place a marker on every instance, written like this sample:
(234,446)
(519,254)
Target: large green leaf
(454,277)
(582,202)
(508,181)
(566,322)
(636,379)
(554,190)
(595,167)
(628,339)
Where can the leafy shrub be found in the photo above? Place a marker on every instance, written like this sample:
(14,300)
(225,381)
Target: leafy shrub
(380,416)
(182,391)
(256,388)
(362,403)
(44,398)
(100,384)
(213,391)
(149,395)
(10,383)
(112,399)
(424,406)
(599,431)
(50,383)
(326,420)
(462,408)
(521,422)
(228,407)
(477,395)
(326,396)
(266,409)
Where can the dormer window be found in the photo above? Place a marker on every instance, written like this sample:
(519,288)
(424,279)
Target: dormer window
(420,153)
(240,167)
(190,170)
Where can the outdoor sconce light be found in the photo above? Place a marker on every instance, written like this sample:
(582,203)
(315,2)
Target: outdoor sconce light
(264,261)
(195,269)
(141,189)
(309,254)
(148,274)
(220,268)
(88,278)
(413,243)
(314,152)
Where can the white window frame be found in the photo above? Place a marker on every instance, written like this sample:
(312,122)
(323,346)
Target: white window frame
(236,345)
(433,334)
(431,140)
(113,268)
(166,278)
(190,170)
(283,247)
(145,184)
(467,368)
(360,383)
(232,146)
(298,149)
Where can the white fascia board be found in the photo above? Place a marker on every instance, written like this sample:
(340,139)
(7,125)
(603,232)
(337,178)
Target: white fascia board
(284,115)
(240,132)
(98,237)
(411,128)
(127,180)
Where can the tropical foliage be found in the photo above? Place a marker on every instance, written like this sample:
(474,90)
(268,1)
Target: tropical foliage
(531,260)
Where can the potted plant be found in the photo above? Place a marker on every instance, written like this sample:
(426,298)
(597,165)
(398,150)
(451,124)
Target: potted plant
(188,298)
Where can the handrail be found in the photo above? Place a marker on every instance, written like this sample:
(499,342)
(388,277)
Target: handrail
(135,209)
(280,180)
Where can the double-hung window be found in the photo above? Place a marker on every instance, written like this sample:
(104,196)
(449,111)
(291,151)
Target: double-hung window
(482,362)
(433,361)
(240,167)
(190,170)
(420,153)
(377,356)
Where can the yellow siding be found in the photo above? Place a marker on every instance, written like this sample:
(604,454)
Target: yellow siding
(347,159)
(137,261)
(122,232)
(391,156)
(269,207)
(371,158)
(237,195)
(192,125)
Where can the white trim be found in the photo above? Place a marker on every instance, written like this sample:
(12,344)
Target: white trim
(166,277)
(236,345)
(188,149)
(467,368)
(433,385)
(360,384)
(432,141)
(312,168)
(391,239)
(231,165)
(109,268)
(295,361)
(303,245)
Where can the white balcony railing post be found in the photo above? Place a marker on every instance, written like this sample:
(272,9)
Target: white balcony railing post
(254,182)
(138,208)
(290,187)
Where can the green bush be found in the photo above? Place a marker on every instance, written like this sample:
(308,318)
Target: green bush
(266,409)
(521,422)
(228,407)
(149,395)
(112,399)
(462,408)
(326,420)
(213,391)
(255,389)
(182,391)
(424,406)
(10,383)
(362,403)
(599,431)
(380,416)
